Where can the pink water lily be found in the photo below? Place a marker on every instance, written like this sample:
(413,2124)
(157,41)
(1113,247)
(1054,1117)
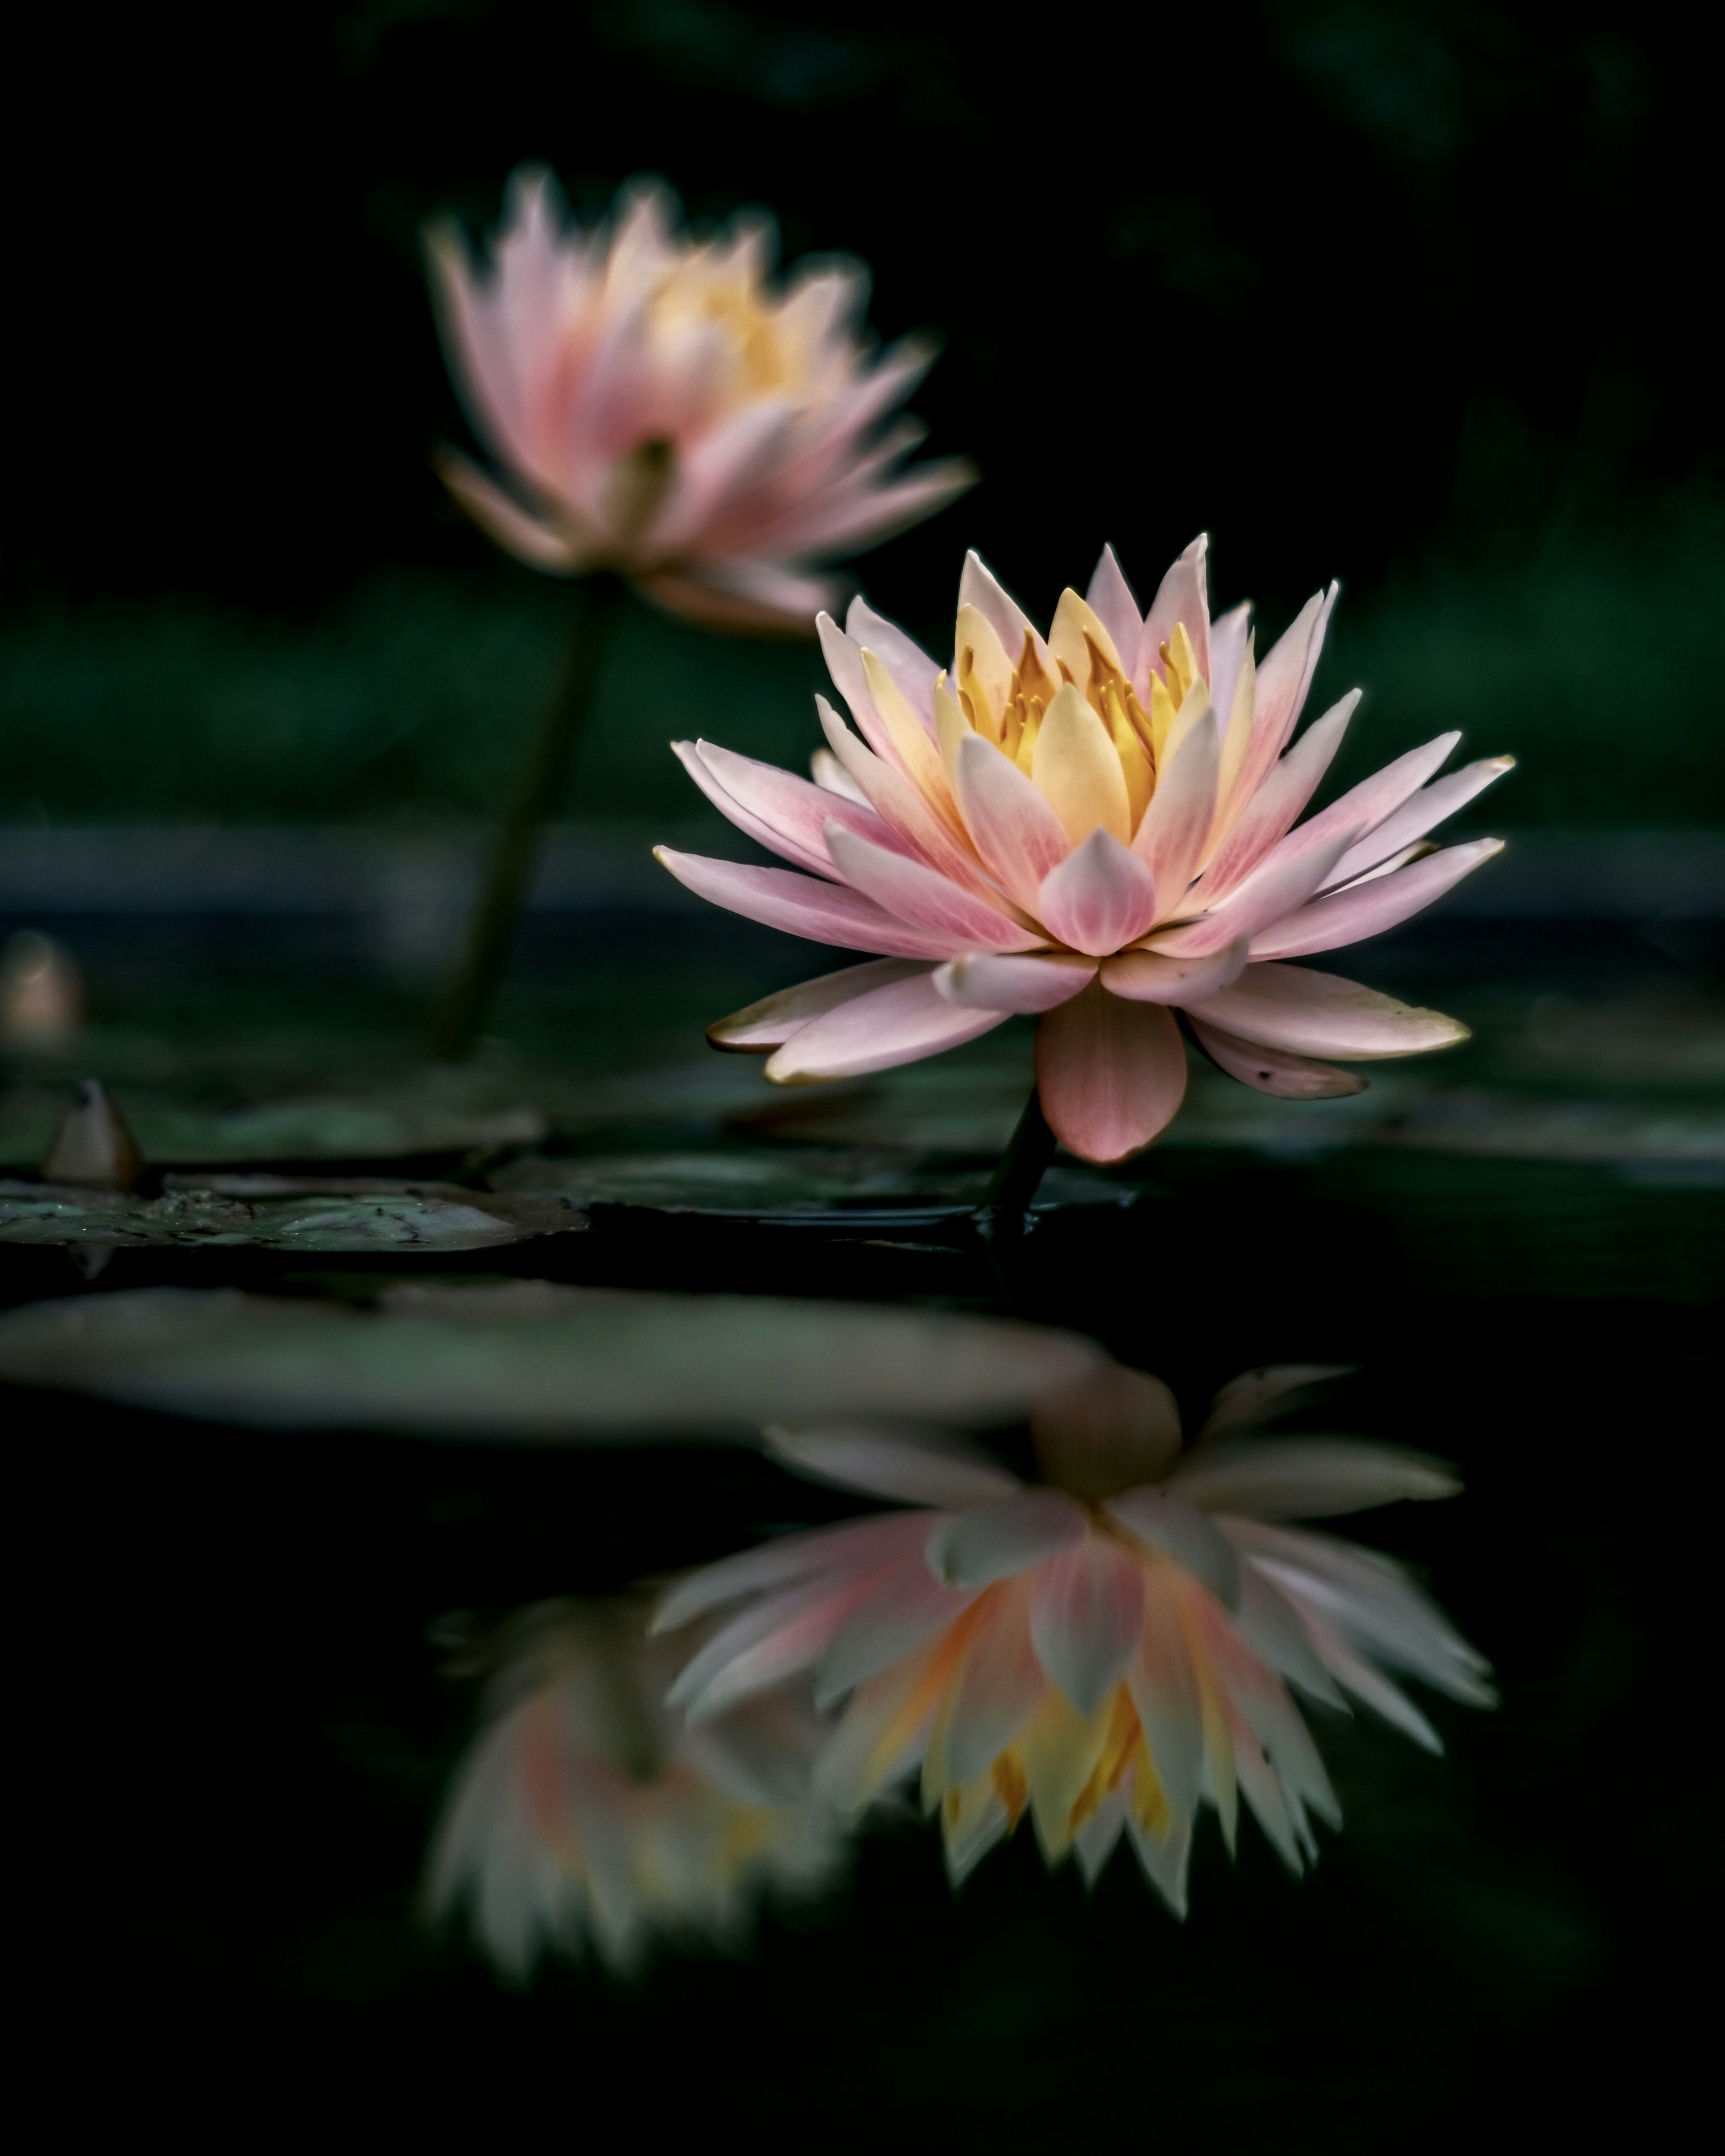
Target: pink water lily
(656,408)
(585,1817)
(1108,1650)
(1100,826)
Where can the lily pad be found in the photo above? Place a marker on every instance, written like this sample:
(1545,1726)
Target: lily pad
(530,1359)
(274,1213)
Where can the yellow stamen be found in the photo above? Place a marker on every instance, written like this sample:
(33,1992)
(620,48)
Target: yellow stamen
(1178,656)
(1134,758)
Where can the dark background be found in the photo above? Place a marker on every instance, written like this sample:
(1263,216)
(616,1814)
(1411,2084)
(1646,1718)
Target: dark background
(1336,279)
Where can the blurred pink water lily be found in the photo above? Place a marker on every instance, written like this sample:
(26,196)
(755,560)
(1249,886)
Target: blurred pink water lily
(585,1817)
(1108,1650)
(657,408)
(1099,826)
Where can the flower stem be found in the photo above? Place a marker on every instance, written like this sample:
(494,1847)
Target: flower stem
(472,987)
(1022,1168)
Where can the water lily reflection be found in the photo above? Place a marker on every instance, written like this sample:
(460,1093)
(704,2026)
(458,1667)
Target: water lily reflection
(1099,827)
(1108,1650)
(585,1817)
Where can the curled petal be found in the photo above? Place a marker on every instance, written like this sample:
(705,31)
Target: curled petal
(991,1542)
(760,1027)
(1037,981)
(1147,977)
(823,913)
(1369,908)
(900,1022)
(1275,1071)
(1320,1014)
(1099,898)
(1110,1074)
(978,587)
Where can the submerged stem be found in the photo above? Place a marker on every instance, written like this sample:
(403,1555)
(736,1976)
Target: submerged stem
(1022,1168)
(473,985)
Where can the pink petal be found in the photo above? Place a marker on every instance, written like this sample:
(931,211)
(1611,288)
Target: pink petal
(1285,879)
(1283,679)
(845,663)
(984,981)
(775,1639)
(763,1026)
(1369,908)
(1111,1075)
(1320,1014)
(909,665)
(823,913)
(1000,1685)
(1110,598)
(1363,808)
(1273,810)
(835,1552)
(978,588)
(991,1542)
(1230,636)
(540,545)
(1099,898)
(1171,836)
(903,807)
(1018,836)
(906,1607)
(1162,1522)
(1420,815)
(1184,597)
(918,894)
(885,510)
(779,811)
(1275,1071)
(899,1023)
(1145,977)
(1086,1617)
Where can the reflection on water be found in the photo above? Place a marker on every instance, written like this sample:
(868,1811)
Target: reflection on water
(586,1815)
(1107,1650)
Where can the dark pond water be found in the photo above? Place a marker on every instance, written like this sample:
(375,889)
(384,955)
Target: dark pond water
(241,1730)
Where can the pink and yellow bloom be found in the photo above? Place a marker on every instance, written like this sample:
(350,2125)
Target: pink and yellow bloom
(585,1817)
(657,408)
(1099,826)
(1108,1650)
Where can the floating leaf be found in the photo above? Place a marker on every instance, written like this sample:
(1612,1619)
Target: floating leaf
(275,1212)
(530,1359)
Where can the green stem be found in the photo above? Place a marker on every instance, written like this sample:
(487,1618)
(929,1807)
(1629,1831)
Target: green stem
(472,987)
(1023,1165)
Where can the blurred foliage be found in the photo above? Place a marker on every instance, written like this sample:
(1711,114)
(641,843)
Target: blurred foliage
(1586,654)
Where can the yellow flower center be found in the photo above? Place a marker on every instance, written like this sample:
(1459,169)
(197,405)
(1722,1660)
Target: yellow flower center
(1079,732)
